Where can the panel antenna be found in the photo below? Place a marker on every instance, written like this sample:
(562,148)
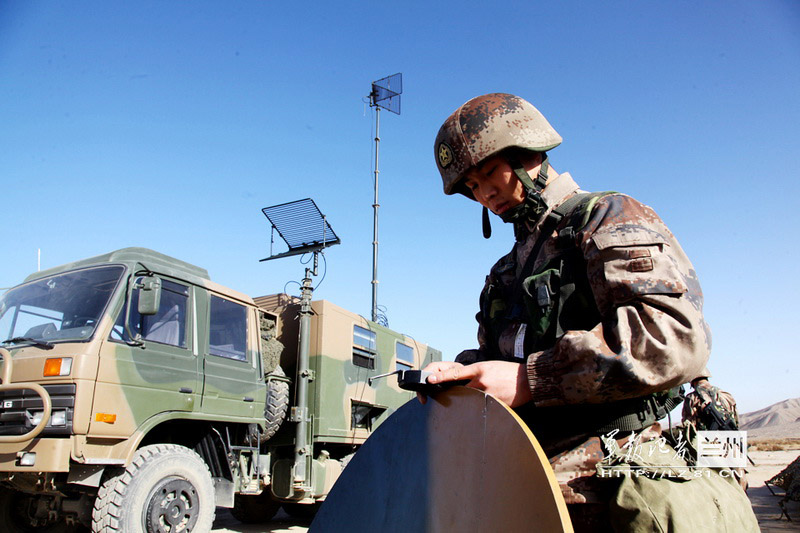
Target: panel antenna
(385,94)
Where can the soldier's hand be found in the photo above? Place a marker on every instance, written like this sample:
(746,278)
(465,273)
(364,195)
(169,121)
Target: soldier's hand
(705,390)
(437,368)
(506,381)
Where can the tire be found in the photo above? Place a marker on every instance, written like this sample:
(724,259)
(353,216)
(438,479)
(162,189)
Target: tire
(255,509)
(304,511)
(14,517)
(166,488)
(277,405)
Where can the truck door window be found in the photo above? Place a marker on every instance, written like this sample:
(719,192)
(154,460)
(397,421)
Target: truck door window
(168,326)
(227,334)
(405,356)
(364,347)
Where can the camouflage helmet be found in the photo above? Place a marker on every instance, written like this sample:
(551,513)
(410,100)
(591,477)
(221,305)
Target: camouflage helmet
(483,127)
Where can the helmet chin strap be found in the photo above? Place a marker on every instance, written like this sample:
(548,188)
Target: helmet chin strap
(533,206)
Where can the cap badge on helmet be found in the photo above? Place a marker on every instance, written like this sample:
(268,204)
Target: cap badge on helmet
(445,155)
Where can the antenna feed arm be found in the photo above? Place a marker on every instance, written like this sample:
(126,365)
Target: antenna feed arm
(417,381)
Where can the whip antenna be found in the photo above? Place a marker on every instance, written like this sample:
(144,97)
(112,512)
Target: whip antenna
(385,94)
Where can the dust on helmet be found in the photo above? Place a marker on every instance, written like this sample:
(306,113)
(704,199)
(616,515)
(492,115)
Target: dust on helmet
(484,126)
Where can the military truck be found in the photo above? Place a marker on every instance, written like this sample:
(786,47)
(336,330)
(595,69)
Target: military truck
(138,395)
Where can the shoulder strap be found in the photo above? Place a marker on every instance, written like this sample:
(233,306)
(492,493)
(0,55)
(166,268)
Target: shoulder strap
(581,203)
(576,210)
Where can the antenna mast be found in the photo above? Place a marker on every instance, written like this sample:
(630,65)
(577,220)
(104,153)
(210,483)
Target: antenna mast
(304,229)
(385,94)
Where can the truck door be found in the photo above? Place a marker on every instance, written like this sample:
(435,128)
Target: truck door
(137,382)
(231,364)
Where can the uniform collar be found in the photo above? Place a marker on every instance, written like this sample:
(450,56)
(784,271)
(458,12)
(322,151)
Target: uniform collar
(558,190)
(554,194)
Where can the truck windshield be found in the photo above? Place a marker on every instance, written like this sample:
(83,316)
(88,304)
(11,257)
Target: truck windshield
(64,307)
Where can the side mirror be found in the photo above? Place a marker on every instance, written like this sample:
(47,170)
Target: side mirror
(149,295)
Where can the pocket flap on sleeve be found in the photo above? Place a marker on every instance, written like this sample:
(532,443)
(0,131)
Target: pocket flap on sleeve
(636,261)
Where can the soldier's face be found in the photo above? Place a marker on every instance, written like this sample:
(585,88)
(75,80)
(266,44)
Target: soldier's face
(494,185)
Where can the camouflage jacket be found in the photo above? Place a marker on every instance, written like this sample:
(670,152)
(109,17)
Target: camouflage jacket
(648,334)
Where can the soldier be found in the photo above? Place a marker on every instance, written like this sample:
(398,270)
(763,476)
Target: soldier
(591,321)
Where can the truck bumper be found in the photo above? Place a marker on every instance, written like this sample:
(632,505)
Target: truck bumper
(51,455)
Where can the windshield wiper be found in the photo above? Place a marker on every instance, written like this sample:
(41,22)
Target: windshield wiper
(37,342)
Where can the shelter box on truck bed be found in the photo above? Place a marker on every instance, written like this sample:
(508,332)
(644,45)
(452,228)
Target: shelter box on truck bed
(346,350)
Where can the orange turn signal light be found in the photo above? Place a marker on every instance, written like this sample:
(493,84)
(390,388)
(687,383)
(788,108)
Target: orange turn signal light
(59,366)
(105,417)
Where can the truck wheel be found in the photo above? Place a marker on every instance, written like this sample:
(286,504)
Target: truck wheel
(305,511)
(15,514)
(255,509)
(277,405)
(167,488)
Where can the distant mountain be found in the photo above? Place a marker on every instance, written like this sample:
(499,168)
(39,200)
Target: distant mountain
(780,420)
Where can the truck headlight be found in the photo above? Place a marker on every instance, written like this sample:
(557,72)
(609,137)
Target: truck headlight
(57,418)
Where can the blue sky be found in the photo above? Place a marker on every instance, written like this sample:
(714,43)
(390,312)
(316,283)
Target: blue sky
(170,125)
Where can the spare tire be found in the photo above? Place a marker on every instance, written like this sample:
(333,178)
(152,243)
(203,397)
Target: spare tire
(271,347)
(277,403)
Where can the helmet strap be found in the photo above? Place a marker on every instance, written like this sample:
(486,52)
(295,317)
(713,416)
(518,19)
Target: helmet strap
(522,174)
(541,179)
(533,204)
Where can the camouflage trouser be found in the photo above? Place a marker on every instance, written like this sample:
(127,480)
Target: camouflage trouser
(660,490)
(640,482)
(576,469)
(586,495)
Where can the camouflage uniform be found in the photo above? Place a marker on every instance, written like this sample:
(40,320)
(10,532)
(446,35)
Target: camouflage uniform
(637,328)
(651,335)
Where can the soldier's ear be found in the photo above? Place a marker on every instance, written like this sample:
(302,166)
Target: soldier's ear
(487,225)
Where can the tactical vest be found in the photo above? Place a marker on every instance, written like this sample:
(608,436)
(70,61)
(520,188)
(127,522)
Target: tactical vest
(556,298)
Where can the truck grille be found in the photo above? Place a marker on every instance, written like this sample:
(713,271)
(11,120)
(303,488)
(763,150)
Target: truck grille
(19,407)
